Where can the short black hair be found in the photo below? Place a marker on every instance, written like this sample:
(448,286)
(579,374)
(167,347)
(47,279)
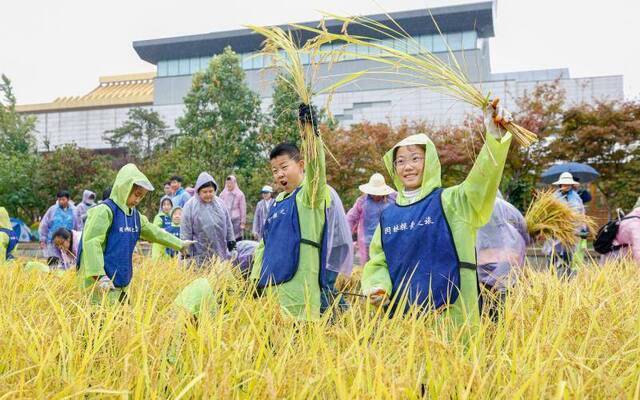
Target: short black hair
(106,194)
(63,193)
(166,199)
(176,178)
(288,149)
(63,233)
(167,183)
(208,184)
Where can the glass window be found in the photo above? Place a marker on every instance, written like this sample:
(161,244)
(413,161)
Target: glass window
(246,60)
(258,61)
(194,65)
(183,67)
(304,58)
(469,40)
(204,62)
(413,45)
(454,40)
(438,44)
(162,68)
(426,42)
(374,51)
(172,69)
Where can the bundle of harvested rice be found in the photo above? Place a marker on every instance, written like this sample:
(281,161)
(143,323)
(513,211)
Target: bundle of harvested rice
(413,65)
(551,218)
(285,54)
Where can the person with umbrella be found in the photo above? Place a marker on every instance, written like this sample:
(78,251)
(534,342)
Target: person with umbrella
(562,257)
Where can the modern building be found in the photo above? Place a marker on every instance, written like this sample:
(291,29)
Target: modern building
(83,120)
(465,29)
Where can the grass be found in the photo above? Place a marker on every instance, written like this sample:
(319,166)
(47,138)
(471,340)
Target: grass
(557,339)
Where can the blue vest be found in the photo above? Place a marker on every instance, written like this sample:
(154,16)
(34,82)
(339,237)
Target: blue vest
(122,237)
(13,242)
(175,231)
(61,219)
(282,239)
(166,222)
(421,255)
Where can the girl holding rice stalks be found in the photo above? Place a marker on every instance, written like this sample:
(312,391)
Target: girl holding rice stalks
(424,246)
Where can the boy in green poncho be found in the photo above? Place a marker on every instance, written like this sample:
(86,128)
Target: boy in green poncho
(289,257)
(162,220)
(110,235)
(8,238)
(424,246)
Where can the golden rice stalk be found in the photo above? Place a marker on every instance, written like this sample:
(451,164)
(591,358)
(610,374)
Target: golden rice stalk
(415,66)
(550,217)
(285,52)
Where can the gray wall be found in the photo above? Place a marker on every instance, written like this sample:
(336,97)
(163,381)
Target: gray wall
(172,89)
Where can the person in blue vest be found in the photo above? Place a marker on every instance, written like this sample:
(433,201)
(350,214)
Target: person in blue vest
(163,220)
(8,238)
(59,215)
(110,235)
(290,260)
(174,229)
(180,196)
(423,251)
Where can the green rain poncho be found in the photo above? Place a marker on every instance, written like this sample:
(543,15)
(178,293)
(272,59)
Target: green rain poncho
(467,207)
(158,251)
(304,284)
(99,221)
(5,223)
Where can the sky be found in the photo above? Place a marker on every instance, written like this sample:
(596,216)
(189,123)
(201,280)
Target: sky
(59,48)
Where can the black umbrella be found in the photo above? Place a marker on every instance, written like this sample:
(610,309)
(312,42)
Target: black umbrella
(583,172)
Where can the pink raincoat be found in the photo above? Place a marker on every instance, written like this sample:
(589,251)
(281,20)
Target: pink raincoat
(236,204)
(628,236)
(364,218)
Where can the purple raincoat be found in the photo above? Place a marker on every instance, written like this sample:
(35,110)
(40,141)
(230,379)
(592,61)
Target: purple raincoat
(364,218)
(501,246)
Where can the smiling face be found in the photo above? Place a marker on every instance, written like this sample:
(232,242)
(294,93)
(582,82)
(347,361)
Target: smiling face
(136,196)
(409,166)
(166,206)
(175,186)
(176,218)
(288,172)
(266,195)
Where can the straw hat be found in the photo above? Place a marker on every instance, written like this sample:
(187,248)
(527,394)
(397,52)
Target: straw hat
(266,189)
(565,179)
(376,186)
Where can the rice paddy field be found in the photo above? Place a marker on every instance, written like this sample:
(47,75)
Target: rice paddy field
(555,339)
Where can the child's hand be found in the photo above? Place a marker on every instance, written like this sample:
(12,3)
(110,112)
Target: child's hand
(187,243)
(378,297)
(496,118)
(105,284)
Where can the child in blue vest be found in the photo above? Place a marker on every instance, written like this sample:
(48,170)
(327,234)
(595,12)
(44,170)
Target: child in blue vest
(424,246)
(291,257)
(110,235)
(163,220)
(8,238)
(174,229)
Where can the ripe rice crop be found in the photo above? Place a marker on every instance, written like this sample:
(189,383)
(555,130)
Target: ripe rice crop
(556,339)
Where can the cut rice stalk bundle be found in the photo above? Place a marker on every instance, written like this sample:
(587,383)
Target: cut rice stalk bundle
(285,54)
(416,66)
(550,217)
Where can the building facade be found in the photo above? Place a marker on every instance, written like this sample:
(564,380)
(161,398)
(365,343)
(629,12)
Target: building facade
(465,30)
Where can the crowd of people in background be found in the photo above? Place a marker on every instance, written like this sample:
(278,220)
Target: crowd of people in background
(303,233)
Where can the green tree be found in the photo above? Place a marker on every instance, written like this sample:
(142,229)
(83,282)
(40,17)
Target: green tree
(141,133)
(607,137)
(19,193)
(540,111)
(75,169)
(222,118)
(16,130)
(283,114)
